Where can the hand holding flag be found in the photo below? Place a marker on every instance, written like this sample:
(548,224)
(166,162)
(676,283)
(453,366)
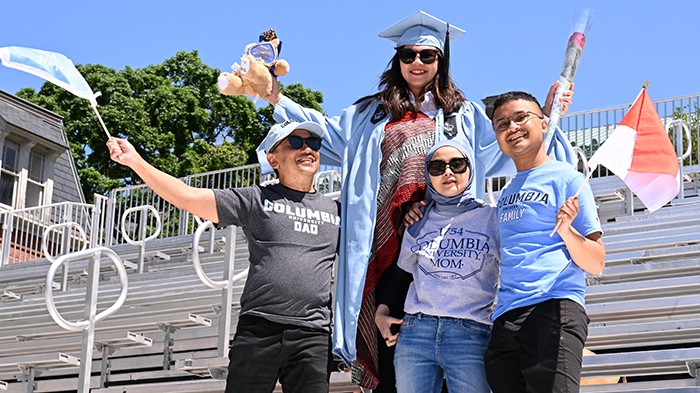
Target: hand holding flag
(53,67)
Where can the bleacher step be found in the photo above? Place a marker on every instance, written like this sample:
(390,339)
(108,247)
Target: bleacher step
(216,368)
(687,385)
(131,340)
(38,361)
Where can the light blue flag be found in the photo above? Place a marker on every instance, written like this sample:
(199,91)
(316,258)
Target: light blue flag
(55,68)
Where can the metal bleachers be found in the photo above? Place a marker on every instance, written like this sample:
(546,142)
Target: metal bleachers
(168,320)
(645,305)
(167,336)
(166,299)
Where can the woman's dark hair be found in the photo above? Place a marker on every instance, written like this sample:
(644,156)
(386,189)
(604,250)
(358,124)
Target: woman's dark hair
(394,92)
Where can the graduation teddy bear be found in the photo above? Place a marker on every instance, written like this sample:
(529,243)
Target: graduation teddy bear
(259,64)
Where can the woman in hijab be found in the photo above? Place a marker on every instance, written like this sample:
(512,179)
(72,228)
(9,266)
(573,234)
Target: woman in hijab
(451,255)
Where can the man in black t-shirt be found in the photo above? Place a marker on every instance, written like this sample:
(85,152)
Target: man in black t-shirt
(284,327)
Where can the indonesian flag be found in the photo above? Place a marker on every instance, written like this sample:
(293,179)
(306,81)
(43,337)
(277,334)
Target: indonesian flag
(640,152)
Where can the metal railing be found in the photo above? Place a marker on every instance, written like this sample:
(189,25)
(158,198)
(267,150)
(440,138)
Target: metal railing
(226,284)
(589,129)
(23,230)
(148,228)
(175,222)
(91,316)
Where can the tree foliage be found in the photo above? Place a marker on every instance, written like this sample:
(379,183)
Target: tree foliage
(172,113)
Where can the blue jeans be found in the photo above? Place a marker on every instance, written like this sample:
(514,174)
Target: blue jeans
(432,348)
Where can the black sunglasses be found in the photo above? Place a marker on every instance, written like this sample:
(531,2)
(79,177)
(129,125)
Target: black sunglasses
(297,142)
(438,167)
(408,56)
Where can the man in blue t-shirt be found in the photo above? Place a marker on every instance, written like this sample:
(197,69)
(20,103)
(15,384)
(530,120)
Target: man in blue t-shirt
(540,324)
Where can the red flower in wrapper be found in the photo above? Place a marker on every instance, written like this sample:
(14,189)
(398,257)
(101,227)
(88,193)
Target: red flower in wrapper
(573,53)
(578,39)
(574,47)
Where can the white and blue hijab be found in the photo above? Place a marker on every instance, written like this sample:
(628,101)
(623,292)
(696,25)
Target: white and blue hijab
(457,204)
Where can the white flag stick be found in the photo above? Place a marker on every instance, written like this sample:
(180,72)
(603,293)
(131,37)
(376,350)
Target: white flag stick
(102,123)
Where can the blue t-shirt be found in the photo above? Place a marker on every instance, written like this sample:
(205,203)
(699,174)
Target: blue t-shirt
(534,266)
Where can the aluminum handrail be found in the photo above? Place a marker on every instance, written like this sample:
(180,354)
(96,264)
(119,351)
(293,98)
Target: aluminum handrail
(50,257)
(135,209)
(48,290)
(87,325)
(141,242)
(222,284)
(582,154)
(686,130)
(226,285)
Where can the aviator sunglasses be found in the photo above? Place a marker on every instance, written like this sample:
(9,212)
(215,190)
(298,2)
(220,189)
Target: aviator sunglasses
(438,167)
(408,56)
(297,142)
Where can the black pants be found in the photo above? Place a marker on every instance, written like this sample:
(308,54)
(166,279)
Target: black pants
(264,351)
(538,348)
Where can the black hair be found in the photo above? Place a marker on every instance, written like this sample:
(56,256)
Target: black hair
(512,96)
(394,91)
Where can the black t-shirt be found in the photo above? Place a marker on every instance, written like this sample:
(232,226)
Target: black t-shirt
(293,242)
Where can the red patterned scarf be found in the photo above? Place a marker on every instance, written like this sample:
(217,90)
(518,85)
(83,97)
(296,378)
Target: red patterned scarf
(402,181)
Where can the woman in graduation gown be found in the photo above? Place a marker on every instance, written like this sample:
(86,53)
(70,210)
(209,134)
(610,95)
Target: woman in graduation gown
(380,143)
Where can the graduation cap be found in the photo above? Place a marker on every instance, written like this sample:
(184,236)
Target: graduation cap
(421,28)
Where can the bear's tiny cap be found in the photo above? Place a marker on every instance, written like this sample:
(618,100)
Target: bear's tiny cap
(420,28)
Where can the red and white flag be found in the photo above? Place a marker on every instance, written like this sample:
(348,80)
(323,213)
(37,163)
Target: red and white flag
(640,152)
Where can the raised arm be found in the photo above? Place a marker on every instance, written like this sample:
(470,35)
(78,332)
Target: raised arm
(198,201)
(336,135)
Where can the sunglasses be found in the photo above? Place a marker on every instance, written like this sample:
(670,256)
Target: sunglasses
(297,142)
(408,56)
(438,167)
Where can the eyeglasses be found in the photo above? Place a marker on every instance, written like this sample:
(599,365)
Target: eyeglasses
(519,118)
(408,56)
(297,142)
(438,167)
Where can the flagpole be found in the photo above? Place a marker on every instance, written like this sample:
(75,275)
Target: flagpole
(590,172)
(102,123)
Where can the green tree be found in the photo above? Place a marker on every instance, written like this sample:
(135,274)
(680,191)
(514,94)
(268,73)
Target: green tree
(172,113)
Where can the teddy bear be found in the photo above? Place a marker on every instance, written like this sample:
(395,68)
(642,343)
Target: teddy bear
(259,64)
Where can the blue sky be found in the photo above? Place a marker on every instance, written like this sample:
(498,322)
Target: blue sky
(333,46)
